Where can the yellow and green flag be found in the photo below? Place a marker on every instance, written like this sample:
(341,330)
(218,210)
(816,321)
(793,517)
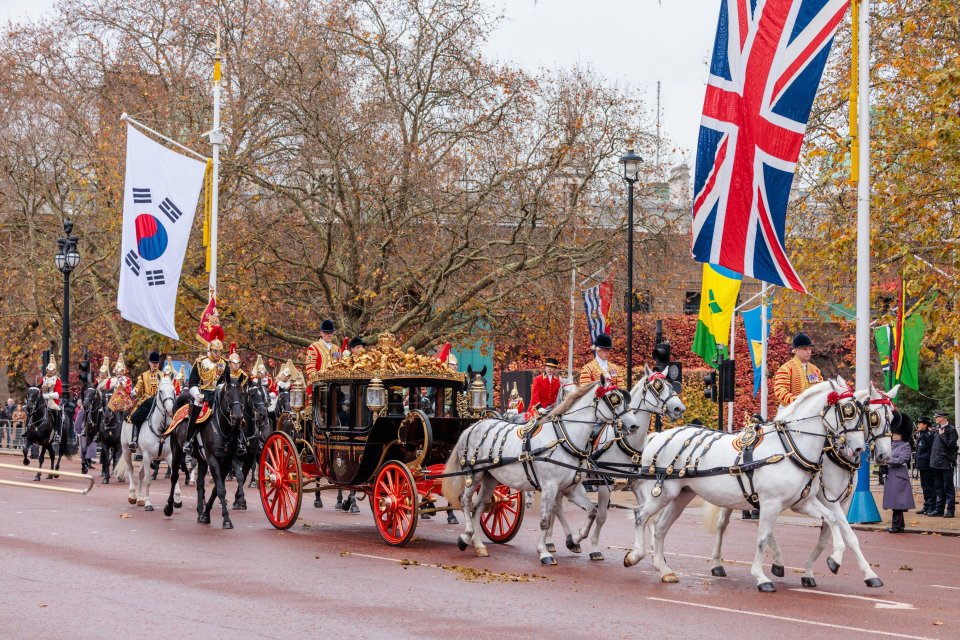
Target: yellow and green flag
(718,298)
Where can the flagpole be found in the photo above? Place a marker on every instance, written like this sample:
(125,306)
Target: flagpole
(573,310)
(764,329)
(216,139)
(733,337)
(863,508)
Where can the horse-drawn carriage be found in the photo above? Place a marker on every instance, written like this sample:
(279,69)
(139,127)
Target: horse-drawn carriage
(381,423)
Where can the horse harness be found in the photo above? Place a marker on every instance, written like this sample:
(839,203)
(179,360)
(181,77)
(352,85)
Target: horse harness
(851,467)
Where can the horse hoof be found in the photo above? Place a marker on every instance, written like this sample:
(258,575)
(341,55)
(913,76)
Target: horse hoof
(777,570)
(767,587)
(177,505)
(810,583)
(140,503)
(106,481)
(718,572)
(26,462)
(482,552)
(148,507)
(832,565)
(168,511)
(873,582)
(452,519)
(461,544)
(552,548)
(596,556)
(236,505)
(627,562)
(318,503)
(37,478)
(670,578)
(227,524)
(548,560)
(573,546)
(204,519)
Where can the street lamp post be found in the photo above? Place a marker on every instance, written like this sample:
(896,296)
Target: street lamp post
(631,169)
(67,258)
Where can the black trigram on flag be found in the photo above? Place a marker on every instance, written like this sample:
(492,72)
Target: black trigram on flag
(155,277)
(133,261)
(141,196)
(170,210)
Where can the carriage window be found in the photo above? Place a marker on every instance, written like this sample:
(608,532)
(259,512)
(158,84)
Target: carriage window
(427,400)
(395,400)
(344,413)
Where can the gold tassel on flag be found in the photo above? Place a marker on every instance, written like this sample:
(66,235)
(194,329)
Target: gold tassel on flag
(854,93)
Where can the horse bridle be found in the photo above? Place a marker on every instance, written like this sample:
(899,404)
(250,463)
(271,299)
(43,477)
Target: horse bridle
(32,419)
(657,381)
(874,420)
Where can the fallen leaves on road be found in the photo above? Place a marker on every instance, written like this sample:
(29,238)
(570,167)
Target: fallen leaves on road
(42,605)
(469,574)
(938,623)
(125,516)
(342,554)
(914,522)
(906,567)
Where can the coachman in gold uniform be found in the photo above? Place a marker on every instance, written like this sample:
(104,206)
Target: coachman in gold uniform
(321,353)
(797,374)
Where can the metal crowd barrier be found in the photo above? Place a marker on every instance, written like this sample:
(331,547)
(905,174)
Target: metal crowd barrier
(11,434)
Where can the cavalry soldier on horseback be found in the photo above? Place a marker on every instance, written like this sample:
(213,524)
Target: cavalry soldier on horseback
(260,376)
(144,391)
(234,372)
(103,374)
(204,375)
(600,365)
(321,353)
(51,387)
(119,378)
(797,374)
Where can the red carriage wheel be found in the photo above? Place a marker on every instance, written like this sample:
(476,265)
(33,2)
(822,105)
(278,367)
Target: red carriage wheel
(502,515)
(280,480)
(395,503)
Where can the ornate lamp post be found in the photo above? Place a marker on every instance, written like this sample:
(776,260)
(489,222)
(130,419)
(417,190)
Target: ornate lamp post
(631,168)
(67,259)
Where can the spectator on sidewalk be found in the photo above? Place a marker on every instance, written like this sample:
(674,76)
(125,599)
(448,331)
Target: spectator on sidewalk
(943,458)
(897,492)
(6,416)
(19,417)
(924,444)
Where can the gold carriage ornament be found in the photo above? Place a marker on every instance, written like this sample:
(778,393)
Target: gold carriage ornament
(386,361)
(376,395)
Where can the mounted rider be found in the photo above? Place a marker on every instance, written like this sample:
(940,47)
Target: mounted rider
(600,365)
(260,376)
(146,388)
(203,380)
(103,374)
(51,388)
(118,380)
(234,373)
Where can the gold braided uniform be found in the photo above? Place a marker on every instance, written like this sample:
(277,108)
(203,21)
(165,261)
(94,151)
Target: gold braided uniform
(146,387)
(591,372)
(319,357)
(792,379)
(206,373)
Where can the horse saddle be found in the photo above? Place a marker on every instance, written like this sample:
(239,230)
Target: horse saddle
(183,413)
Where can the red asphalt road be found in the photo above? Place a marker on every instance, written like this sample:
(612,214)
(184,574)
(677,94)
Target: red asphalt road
(74,567)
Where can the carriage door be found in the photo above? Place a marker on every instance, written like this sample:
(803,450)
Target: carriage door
(345,451)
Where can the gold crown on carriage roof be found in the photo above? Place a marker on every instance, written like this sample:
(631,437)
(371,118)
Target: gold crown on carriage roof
(386,360)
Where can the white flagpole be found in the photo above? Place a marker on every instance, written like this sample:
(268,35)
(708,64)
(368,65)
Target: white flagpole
(733,336)
(863,203)
(763,351)
(573,308)
(216,139)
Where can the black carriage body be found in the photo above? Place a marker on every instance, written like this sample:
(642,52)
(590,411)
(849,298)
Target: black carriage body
(419,425)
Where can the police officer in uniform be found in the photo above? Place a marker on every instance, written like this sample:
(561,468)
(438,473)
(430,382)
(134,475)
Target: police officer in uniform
(943,459)
(144,391)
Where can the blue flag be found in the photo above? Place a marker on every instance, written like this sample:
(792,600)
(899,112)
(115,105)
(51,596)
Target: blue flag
(753,324)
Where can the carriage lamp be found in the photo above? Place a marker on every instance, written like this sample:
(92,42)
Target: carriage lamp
(296,396)
(376,395)
(478,394)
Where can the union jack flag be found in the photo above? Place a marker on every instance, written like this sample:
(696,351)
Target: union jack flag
(767,61)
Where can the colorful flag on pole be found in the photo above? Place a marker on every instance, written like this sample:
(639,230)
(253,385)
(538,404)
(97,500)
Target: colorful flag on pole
(596,303)
(210,323)
(718,298)
(160,196)
(766,66)
(753,324)
(899,345)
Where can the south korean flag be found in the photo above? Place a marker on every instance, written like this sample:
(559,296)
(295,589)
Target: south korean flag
(160,197)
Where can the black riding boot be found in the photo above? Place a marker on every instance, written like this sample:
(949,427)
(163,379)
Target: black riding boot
(136,436)
(191,429)
(57,425)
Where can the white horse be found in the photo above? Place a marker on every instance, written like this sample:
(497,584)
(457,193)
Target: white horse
(150,446)
(620,453)
(551,459)
(681,463)
(836,481)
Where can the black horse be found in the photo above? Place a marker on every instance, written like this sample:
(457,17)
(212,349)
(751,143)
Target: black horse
(218,439)
(256,428)
(41,428)
(104,424)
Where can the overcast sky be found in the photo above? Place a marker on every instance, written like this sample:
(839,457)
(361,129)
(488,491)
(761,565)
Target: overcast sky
(634,42)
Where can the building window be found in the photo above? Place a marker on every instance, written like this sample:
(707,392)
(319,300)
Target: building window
(691,302)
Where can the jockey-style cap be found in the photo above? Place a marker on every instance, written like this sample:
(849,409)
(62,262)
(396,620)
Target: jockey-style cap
(327,326)
(155,356)
(551,362)
(356,342)
(802,340)
(603,341)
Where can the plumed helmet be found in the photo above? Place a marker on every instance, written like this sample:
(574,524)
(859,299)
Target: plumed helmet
(802,340)
(216,338)
(119,368)
(52,365)
(216,345)
(452,361)
(168,367)
(105,367)
(234,357)
(603,341)
(155,357)
(258,368)
(327,326)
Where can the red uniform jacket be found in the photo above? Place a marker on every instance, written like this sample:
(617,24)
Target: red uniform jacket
(544,391)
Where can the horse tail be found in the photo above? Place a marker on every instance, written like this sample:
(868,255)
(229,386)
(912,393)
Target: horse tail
(120,471)
(453,486)
(710,514)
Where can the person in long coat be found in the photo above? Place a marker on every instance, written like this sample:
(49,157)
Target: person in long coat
(943,459)
(897,492)
(924,446)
